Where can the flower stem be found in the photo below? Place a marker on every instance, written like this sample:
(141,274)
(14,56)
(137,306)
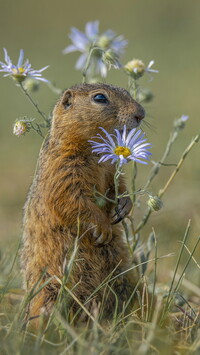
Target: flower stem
(133,87)
(134,182)
(116,181)
(154,171)
(34,104)
(163,190)
(144,220)
(127,237)
(185,153)
(154,277)
(37,129)
(91,52)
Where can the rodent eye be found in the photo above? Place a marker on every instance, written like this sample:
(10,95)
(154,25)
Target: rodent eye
(100,99)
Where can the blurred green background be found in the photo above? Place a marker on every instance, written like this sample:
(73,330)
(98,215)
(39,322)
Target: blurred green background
(166,31)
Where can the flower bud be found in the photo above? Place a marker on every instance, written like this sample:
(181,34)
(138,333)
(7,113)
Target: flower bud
(110,58)
(155,203)
(180,122)
(145,95)
(135,68)
(31,85)
(21,127)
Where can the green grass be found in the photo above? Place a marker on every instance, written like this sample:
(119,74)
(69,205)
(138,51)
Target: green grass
(165,321)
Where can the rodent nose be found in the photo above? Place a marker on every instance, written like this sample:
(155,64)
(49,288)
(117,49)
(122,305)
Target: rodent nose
(140,114)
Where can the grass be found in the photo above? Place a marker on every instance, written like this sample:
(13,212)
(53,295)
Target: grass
(165,321)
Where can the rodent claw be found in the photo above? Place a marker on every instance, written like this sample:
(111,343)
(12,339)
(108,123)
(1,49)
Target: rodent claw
(102,238)
(119,219)
(122,210)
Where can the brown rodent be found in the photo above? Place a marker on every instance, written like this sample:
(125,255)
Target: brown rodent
(61,207)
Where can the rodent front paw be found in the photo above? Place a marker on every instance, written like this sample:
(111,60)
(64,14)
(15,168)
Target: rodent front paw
(102,236)
(122,210)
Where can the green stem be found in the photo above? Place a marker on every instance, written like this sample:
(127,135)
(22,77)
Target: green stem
(184,155)
(127,237)
(135,89)
(91,52)
(134,182)
(116,181)
(34,104)
(37,129)
(154,278)
(144,220)
(154,171)
(163,190)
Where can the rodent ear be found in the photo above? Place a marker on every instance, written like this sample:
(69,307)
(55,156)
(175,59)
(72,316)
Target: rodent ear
(67,99)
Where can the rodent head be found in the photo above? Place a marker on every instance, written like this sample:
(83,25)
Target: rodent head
(86,107)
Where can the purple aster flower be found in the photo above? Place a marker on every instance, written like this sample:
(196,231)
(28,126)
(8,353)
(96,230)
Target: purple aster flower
(83,42)
(21,71)
(122,147)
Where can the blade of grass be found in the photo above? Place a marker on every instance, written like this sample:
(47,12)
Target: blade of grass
(166,307)
(154,277)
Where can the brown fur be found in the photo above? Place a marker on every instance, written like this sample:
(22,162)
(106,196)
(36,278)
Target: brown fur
(61,204)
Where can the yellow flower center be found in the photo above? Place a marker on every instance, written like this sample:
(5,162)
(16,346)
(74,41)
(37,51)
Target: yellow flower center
(122,151)
(18,71)
(103,42)
(21,70)
(135,64)
(18,74)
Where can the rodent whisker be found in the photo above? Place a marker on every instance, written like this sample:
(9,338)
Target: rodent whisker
(149,125)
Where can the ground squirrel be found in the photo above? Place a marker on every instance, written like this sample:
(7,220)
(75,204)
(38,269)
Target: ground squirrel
(61,205)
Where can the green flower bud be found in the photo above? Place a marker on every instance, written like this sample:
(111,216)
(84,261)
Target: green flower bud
(110,58)
(180,122)
(31,85)
(155,203)
(21,127)
(145,95)
(135,68)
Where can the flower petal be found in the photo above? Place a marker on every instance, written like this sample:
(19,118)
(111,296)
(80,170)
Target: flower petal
(150,64)
(69,49)
(79,39)
(109,137)
(124,135)
(7,58)
(21,58)
(102,68)
(92,29)
(129,136)
(119,138)
(80,64)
